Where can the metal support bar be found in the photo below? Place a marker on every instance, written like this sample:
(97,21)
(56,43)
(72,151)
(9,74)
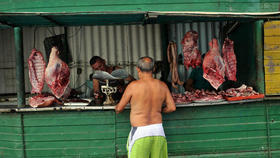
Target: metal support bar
(6,24)
(51,20)
(20,84)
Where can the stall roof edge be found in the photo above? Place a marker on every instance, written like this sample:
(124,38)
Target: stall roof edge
(14,19)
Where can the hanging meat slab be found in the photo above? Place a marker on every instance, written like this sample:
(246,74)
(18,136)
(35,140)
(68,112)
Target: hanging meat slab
(192,56)
(213,65)
(172,59)
(229,59)
(37,66)
(57,74)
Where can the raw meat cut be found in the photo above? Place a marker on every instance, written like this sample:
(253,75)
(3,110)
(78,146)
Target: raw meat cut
(213,65)
(203,96)
(229,59)
(41,100)
(57,75)
(172,59)
(243,90)
(192,56)
(37,66)
(179,98)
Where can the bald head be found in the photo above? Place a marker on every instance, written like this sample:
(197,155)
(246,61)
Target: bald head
(146,64)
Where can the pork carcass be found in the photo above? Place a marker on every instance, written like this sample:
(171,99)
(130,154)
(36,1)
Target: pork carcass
(37,66)
(213,65)
(57,75)
(229,59)
(192,56)
(172,59)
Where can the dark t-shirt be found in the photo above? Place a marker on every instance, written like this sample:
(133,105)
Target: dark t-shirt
(198,81)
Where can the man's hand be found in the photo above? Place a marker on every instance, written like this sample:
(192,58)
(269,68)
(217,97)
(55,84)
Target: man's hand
(117,109)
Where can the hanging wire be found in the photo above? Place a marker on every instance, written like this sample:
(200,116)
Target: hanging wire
(75,33)
(34,36)
(52,32)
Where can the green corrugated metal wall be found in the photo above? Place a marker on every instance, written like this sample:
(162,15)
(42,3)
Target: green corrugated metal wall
(235,130)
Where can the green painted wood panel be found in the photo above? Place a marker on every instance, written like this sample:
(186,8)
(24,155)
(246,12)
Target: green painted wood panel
(139,5)
(11,144)
(227,131)
(76,134)
(217,129)
(227,155)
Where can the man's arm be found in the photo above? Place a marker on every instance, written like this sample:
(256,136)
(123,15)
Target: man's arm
(170,105)
(125,99)
(188,85)
(130,78)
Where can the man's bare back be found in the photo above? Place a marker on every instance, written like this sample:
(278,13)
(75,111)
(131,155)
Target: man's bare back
(146,97)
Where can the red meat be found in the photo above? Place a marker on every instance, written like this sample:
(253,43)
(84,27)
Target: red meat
(213,65)
(57,74)
(192,56)
(41,100)
(37,66)
(229,59)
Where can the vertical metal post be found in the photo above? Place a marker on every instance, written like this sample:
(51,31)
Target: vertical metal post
(20,84)
(259,55)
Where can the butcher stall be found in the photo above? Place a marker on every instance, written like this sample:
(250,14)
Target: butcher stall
(47,108)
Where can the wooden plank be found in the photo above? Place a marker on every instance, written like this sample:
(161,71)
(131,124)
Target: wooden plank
(275,153)
(10,130)
(108,133)
(69,129)
(10,137)
(275,139)
(244,154)
(272,40)
(272,55)
(272,67)
(218,146)
(220,111)
(11,145)
(55,148)
(272,91)
(121,146)
(272,78)
(272,28)
(69,118)
(273,85)
(10,153)
(271,47)
(10,120)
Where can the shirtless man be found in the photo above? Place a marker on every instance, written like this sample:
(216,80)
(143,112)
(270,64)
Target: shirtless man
(146,97)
